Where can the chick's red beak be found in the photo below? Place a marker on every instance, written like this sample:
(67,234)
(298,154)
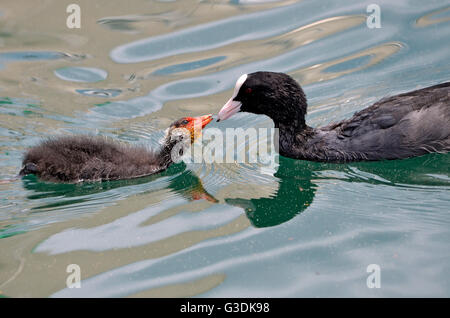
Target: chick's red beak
(205,120)
(199,122)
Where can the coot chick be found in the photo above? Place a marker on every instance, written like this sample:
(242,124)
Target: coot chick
(401,126)
(95,158)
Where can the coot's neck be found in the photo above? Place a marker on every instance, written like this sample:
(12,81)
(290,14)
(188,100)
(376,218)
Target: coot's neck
(293,135)
(289,112)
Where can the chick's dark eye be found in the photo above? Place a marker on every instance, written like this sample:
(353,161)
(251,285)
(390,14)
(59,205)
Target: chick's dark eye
(248,90)
(185,122)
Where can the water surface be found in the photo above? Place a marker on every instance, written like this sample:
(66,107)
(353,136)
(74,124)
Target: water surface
(290,229)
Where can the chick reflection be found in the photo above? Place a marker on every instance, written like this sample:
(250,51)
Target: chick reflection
(176,178)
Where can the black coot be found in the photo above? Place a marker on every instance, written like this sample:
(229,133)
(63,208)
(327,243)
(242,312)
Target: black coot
(401,126)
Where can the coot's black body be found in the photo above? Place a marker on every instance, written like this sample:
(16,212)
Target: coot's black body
(96,158)
(401,126)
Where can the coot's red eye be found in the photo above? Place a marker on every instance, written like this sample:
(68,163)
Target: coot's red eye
(248,90)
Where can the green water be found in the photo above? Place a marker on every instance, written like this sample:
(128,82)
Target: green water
(289,229)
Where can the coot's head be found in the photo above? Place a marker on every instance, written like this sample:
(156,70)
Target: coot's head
(188,128)
(276,95)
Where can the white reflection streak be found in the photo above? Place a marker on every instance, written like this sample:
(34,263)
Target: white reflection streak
(134,286)
(117,233)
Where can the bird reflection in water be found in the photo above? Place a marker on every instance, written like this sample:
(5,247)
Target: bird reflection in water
(297,184)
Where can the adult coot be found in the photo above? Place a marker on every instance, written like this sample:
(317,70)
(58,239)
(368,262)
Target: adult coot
(401,126)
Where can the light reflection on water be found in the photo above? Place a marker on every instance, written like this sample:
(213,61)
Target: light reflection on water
(215,229)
